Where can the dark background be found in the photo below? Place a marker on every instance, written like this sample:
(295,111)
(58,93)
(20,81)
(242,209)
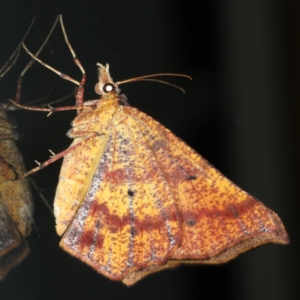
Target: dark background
(241,112)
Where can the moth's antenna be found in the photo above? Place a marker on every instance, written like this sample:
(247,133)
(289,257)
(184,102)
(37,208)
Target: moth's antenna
(146,78)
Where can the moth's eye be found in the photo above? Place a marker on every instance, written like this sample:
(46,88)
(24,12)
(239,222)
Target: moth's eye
(108,87)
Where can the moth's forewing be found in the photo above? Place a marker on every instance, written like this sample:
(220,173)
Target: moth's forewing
(135,199)
(79,165)
(216,214)
(16,204)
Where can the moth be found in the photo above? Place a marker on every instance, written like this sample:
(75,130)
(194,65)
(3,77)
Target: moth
(134,199)
(16,202)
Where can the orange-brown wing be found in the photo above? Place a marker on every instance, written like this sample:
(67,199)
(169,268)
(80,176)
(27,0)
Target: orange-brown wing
(79,165)
(154,203)
(13,246)
(129,218)
(215,211)
(75,178)
(219,220)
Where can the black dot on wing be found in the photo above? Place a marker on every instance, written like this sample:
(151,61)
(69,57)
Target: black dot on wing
(130,193)
(190,222)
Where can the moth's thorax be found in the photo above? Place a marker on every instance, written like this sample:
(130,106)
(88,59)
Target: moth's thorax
(110,97)
(97,117)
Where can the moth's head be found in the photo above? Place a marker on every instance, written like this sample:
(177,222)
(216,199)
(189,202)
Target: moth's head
(105,84)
